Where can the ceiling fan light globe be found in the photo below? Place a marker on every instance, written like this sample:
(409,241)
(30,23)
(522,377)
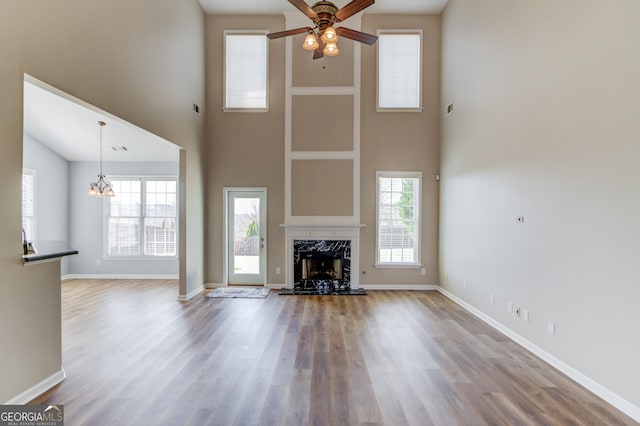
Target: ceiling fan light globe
(331,49)
(310,42)
(330,35)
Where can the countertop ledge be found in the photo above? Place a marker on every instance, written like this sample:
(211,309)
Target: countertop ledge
(49,250)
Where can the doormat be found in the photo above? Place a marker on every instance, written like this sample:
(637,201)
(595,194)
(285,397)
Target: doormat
(239,293)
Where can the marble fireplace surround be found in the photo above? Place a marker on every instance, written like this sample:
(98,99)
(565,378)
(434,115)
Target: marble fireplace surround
(349,233)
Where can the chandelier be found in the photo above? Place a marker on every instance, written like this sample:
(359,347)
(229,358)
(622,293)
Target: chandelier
(101,187)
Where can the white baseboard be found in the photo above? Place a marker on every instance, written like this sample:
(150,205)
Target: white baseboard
(275,286)
(363,286)
(118,277)
(191,294)
(38,389)
(214,285)
(611,397)
(398,287)
(217,285)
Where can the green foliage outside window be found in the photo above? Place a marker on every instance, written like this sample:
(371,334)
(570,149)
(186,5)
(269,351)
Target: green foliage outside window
(253,230)
(406,204)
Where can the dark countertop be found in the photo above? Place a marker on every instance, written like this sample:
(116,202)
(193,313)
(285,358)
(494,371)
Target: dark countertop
(49,250)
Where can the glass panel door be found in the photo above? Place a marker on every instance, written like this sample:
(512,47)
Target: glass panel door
(246,237)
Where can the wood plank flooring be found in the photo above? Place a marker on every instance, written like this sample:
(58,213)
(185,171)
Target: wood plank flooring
(134,355)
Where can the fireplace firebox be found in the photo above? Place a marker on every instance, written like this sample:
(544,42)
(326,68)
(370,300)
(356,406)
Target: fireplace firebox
(322,266)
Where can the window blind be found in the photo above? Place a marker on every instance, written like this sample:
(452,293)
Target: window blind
(398,220)
(399,70)
(246,71)
(142,219)
(28,204)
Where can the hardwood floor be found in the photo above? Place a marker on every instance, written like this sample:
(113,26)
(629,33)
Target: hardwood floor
(134,355)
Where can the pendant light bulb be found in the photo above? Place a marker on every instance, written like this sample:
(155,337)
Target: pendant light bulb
(331,49)
(330,35)
(310,42)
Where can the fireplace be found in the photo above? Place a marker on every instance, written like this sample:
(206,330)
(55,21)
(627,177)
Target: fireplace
(322,259)
(322,266)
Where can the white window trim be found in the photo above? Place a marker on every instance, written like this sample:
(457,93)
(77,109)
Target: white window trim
(224,71)
(105,220)
(34,233)
(420,107)
(418,240)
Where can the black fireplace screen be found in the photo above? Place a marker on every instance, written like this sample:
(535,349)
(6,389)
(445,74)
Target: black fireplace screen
(322,263)
(322,268)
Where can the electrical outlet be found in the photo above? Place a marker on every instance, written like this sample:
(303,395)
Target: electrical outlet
(509,306)
(278,270)
(423,271)
(446,277)
(466,285)
(525,315)
(551,327)
(492,298)
(518,312)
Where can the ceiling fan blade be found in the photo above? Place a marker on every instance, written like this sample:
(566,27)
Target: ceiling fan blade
(352,8)
(318,53)
(289,32)
(356,35)
(304,8)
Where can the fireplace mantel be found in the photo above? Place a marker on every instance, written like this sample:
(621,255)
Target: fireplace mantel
(349,232)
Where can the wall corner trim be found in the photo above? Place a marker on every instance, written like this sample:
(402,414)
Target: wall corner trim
(38,389)
(611,397)
(191,294)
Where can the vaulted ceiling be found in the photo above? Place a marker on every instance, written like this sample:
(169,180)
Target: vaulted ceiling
(259,7)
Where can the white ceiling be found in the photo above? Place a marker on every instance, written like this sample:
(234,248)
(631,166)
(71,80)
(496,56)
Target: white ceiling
(70,128)
(260,7)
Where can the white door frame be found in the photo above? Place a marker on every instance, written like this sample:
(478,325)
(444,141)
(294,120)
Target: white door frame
(225,242)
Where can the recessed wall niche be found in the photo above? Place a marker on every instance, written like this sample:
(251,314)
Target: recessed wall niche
(322,187)
(322,123)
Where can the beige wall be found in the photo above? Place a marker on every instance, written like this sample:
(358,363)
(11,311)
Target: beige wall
(545,125)
(141,60)
(322,123)
(397,141)
(244,149)
(322,188)
(247,149)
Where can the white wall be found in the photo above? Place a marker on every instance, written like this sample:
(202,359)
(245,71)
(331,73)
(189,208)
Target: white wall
(51,196)
(87,226)
(545,125)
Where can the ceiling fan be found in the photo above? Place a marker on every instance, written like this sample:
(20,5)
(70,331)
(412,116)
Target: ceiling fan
(322,37)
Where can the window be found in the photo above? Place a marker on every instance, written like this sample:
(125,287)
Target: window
(142,217)
(399,70)
(246,71)
(28,204)
(398,231)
